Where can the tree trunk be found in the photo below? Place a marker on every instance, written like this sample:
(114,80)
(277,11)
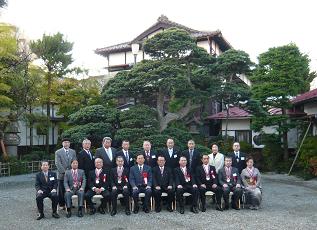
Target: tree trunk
(284,139)
(227,120)
(165,119)
(48,112)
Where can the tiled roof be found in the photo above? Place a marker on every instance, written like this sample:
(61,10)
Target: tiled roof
(234,112)
(305,97)
(163,22)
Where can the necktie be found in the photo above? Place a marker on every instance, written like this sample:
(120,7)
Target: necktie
(126,156)
(67,154)
(119,171)
(237,154)
(75,178)
(170,152)
(109,155)
(46,177)
(141,169)
(190,156)
(89,154)
(162,170)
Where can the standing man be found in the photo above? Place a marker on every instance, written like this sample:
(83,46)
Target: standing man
(126,154)
(99,184)
(46,186)
(192,156)
(107,153)
(185,182)
(63,158)
(149,155)
(238,158)
(120,185)
(163,182)
(216,159)
(206,177)
(171,154)
(86,159)
(74,183)
(229,179)
(141,182)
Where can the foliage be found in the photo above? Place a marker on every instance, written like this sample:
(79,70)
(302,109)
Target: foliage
(180,137)
(93,131)
(308,155)
(158,141)
(272,152)
(202,149)
(134,134)
(94,114)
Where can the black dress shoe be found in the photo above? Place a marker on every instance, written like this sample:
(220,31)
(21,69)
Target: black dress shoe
(69,214)
(127,212)
(40,216)
(219,208)
(113,212)
(169,208)
(101,210)
(146,210)
(92,211)
(203,208)
(226,206)
(182,210)
(158,209)
(235,207)
(55,215)
(136,210)
(194,210)
(80,212)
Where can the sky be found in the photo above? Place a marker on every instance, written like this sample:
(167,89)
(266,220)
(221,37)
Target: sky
(250,25)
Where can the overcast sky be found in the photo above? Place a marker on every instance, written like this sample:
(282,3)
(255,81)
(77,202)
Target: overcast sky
(249,25)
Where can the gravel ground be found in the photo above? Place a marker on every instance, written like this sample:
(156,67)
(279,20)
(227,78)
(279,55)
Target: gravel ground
(288,203)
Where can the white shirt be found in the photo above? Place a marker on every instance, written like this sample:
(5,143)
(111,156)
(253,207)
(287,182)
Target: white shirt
(170,151)
(109,152)
(217,161)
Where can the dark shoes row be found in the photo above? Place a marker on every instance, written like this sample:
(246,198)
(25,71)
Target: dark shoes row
(41,216)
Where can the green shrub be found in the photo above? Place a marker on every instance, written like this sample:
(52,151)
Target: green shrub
(272,153)
(308,156)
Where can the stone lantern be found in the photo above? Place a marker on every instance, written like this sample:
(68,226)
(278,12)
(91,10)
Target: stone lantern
(12,139)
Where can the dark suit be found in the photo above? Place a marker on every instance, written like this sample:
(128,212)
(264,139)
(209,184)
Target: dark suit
(163,181)
(86,163)
(107,163)
(127,162)
(187,186)
(238,163)
(102,182)
(46,187)
(119,183)
(150,160)
(208,178)
(234,180)
(171,161)
(196,159)
(137,180)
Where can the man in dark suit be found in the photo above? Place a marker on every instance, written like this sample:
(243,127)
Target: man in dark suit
(206,178)
(192,156)
(86,160)
(238,158)
(149,155)
(162,182)
(229,179)
(141,182)
(46,186)
(99,184)
(126,154)
(107,153)
(171,154)
(120,185)
(185,182)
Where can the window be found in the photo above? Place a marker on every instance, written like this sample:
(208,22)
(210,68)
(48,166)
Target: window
(243,135)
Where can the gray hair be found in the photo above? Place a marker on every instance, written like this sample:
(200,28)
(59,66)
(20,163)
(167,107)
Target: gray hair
(86,141)
(106,138)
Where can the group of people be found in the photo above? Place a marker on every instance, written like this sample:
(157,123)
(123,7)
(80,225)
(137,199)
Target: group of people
(109,173)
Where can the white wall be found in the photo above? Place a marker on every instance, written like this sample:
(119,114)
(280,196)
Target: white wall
(205,45)
(310,108)
(116,59)
(242,124)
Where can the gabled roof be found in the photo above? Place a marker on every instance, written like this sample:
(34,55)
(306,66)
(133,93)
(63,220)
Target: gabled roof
(164,23)
(308,96)
(234,113)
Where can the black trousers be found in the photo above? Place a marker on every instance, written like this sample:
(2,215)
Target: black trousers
(217,191)
(114,196)
(135,195)
(61,193)
(237,193)
(187,188)
(88,197)
(40,198)
(158,196)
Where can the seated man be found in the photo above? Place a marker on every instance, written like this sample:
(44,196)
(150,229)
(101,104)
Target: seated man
(162,182)
(230,180)
(120,185)
(46,185)
(74,183)
(185,182)
(99,184)
(206,178)
(141,182)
